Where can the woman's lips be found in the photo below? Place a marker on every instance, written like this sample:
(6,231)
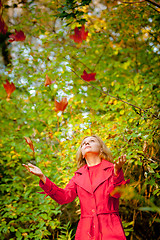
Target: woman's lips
(87,147)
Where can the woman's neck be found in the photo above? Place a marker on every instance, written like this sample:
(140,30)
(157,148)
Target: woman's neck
(92,160)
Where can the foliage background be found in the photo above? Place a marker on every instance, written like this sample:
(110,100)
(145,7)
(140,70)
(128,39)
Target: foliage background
(123,48)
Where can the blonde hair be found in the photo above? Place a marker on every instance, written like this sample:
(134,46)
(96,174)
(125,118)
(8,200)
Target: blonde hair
(105,153)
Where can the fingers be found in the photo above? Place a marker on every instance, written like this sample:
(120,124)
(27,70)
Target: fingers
(122,159)
(26,166)
(29,166)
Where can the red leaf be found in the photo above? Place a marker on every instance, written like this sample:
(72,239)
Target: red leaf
(88,76)
(29,142)
(61,106)
(3,26)
(83,33)
(48,81)
(9,87)
(17,36)
(79,35)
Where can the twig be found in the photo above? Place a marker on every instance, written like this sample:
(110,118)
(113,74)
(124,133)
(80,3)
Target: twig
(154,9)
(100,58)
(151,2)
(154,3)
(132,2)
(80,62)
(119,99)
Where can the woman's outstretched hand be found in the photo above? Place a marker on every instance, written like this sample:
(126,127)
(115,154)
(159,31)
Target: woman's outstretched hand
(35,170)
(118,165)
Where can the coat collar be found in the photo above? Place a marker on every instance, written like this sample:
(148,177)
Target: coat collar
(104,165)
(83,179)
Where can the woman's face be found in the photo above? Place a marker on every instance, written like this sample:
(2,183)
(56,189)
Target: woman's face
(90,145)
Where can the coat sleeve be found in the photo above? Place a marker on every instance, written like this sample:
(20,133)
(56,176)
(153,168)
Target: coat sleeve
(61,196)
(117,181)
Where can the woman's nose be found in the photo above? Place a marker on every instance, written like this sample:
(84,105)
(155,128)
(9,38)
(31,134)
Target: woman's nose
(87,143)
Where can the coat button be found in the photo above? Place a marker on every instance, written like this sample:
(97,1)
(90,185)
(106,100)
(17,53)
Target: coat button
(93,210)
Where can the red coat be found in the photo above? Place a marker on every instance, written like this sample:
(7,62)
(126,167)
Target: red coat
(99,210)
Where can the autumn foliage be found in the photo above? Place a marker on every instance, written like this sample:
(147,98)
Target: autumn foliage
(61,106)
(47,81)
(116,61)
(17,36)
(30,143)
(79,34)
(10,88)
(88,76)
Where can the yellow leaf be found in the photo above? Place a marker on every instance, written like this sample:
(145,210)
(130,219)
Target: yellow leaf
(125,65)
(131,120)
(142,121)
(24,234)
(88,131)
(121,112)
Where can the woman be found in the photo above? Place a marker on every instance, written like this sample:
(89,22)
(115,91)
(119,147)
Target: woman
(94,183)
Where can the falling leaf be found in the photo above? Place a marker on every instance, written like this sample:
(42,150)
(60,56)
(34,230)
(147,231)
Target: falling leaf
(61,106)
(17,36)
(48,81)
(29,142)
(88,76)
(79,35)
(9,87)
(3,26)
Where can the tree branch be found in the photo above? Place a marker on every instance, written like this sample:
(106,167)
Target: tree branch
(99,59)
(154,3)
(117,98)
(154,9)
(132,2)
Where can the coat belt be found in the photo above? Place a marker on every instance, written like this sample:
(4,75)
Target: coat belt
(94,231)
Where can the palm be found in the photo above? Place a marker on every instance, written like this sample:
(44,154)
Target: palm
(33,169)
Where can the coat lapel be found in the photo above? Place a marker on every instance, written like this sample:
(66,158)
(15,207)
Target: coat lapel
(105,171)
(103,174)
(83,179)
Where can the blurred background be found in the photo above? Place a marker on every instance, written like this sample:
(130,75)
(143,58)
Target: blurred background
(48,106)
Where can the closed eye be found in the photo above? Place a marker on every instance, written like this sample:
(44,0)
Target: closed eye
(92,140)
